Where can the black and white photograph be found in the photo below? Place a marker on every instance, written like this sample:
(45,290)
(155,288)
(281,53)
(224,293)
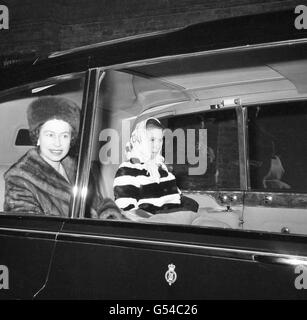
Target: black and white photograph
(153,154)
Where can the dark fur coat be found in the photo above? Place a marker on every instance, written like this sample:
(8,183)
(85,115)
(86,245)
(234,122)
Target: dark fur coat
(33,186)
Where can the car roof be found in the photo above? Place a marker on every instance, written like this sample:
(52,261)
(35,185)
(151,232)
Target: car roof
(210,36)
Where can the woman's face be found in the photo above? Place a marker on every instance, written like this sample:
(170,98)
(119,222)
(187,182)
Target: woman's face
(155,138)
(54,140)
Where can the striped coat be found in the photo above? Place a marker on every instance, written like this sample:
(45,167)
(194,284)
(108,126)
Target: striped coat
(134,189)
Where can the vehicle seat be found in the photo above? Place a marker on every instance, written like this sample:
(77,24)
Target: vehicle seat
(104,177)
(3,169)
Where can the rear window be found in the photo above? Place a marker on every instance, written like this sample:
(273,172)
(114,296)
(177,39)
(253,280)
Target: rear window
(209,150)
(278,146)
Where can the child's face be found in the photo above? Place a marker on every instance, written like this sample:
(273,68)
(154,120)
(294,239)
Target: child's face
(155,138)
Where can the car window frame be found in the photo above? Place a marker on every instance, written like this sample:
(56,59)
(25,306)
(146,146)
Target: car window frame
(245,107)
(241,110)
(42,83)
(86,145)
(89,104)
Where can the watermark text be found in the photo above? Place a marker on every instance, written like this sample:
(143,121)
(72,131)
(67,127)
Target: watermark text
(4,277)
(301,280)
(301,20)
(190,147)
(4,17)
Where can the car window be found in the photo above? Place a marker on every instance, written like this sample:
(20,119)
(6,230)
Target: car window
(277,197)
(209,145)
(15,140)
(237,175)
(278,147)
(200,153)
(23,138)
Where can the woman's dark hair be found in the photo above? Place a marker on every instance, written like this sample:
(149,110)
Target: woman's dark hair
(34,134)
(154,123)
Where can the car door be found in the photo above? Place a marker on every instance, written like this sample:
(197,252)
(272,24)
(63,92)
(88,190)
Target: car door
(128,260)
(96,259)
(27,241)
(27,245)
(277,198)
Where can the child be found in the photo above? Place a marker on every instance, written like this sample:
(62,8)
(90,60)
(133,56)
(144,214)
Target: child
(143,181)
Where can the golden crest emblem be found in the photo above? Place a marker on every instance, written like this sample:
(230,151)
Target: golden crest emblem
(171,275)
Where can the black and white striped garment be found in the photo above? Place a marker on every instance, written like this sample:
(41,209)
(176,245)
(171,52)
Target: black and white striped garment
(133,189)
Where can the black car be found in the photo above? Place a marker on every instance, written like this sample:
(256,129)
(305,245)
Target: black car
(240,85)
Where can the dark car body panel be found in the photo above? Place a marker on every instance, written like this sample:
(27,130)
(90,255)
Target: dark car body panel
(32,241)
(104,263)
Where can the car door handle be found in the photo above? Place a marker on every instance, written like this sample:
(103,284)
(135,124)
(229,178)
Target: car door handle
(269,259)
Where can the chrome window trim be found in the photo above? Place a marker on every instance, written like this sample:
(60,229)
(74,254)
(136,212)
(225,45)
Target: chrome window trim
(249,255)
(109,42)
(247,47)
(45,82)
(89,103)
(30,233)
(277,100)
(242,145)
(240,253)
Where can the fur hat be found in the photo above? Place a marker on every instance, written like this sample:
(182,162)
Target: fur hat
(52,107)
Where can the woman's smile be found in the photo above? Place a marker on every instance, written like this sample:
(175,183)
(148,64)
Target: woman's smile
(54,141)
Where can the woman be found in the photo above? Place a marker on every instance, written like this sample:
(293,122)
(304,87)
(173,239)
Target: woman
(144,182)
(41,182)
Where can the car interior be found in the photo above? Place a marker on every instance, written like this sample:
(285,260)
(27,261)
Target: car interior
(199,91)
(205,91)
